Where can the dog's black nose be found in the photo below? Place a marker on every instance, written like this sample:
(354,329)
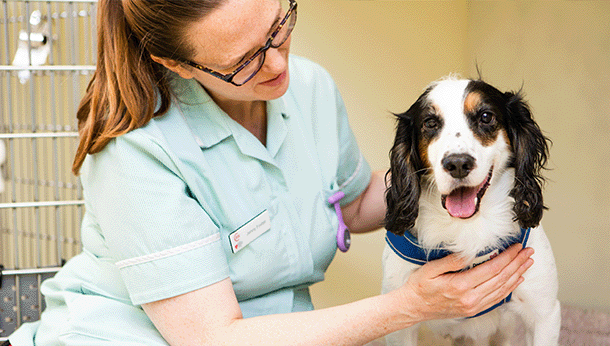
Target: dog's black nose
(458,165)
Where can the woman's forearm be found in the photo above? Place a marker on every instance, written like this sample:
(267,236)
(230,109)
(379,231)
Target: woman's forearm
(196,318)
(356,323)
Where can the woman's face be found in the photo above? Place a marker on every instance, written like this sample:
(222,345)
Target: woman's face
(237,29)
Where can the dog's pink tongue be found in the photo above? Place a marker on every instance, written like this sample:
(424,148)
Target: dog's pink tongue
(462,202)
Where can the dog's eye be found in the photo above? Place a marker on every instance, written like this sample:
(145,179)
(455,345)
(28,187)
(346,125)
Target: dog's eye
(431,123)
(487,117)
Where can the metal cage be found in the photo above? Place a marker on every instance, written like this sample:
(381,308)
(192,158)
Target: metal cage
(47,56)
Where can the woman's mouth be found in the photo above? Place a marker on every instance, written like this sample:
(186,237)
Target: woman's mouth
(277,80)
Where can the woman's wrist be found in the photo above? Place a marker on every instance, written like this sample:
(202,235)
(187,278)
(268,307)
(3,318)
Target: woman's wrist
(400,308)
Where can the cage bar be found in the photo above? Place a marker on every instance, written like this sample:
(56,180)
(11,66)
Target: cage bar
(47,57)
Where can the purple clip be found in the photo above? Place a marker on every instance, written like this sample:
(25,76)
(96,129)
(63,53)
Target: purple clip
(343,237)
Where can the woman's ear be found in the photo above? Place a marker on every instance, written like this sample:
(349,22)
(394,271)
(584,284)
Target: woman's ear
(174,66)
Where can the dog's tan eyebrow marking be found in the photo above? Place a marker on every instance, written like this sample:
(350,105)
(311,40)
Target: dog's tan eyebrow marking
(471,102)
(435,109)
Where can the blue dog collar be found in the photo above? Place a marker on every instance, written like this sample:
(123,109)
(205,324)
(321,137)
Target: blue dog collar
(408,248)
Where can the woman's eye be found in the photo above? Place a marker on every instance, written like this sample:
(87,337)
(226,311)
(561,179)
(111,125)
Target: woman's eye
(487,117)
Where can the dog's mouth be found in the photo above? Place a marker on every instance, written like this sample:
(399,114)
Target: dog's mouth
(465,201)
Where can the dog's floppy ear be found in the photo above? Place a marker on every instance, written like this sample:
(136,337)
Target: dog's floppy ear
(402,196)
(530,150)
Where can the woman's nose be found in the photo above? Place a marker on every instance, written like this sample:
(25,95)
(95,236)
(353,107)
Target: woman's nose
(276,59)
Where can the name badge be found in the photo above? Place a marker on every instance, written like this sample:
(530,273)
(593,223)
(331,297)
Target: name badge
(251,230)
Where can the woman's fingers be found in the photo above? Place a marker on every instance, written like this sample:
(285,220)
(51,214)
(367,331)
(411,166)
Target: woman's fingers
(479,274)
(510,259)
(447,264)
(501,285)
(446,291)
(508,275)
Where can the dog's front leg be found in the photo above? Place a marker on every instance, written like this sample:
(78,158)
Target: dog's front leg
(396,271)
(546,329)
(540,294)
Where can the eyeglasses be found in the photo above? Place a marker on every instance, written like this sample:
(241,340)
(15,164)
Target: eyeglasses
(246,71)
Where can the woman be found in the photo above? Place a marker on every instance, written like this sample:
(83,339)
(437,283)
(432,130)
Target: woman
(207,155)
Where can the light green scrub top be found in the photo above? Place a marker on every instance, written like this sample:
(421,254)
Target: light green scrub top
(161,202)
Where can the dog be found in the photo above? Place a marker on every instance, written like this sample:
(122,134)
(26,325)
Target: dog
(465,177)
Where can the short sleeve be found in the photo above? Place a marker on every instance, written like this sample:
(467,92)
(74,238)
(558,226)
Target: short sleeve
(353,171)
(161,239)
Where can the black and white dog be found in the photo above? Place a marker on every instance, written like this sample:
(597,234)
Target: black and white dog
(466,178)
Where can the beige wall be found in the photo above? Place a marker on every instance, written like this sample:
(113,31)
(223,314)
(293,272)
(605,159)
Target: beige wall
(383,53)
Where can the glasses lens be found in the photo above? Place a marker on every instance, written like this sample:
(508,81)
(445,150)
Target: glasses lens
(250,70)
(245,74)
(286,29)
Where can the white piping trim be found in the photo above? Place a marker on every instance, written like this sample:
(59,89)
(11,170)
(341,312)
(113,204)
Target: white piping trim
(169,252)
(353,176)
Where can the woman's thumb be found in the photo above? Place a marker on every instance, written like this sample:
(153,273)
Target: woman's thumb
(447,264)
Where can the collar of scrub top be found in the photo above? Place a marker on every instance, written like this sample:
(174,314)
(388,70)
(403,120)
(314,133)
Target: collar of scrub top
(197,105)
(343,236)
(409,249)
(197,108)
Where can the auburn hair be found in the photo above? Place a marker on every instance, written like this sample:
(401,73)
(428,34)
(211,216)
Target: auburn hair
(128,88)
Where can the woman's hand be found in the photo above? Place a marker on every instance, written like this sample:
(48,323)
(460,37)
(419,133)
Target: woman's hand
(437,290)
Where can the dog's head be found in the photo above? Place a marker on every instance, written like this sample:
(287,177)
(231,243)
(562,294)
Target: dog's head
(454,138)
